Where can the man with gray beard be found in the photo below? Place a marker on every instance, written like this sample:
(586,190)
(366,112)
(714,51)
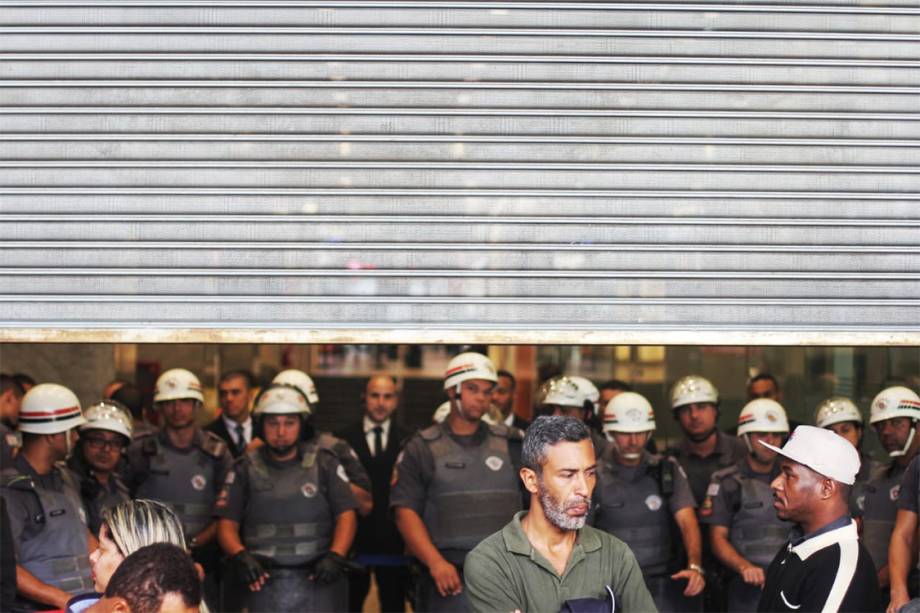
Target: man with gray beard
(547,557)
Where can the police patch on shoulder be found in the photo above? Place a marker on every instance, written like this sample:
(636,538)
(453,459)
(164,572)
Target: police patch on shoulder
(308,489)
(653,502)
(198,482)
(494,462)
(712,490)
(706,508)
(894,493)
(340,471)
(230,478)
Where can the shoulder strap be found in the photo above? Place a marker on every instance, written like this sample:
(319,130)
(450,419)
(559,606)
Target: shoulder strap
(431,433)
(212,444)
(12,478)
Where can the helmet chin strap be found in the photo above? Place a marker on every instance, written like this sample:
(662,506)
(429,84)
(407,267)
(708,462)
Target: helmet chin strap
(69,442)
(747,441)
(625,456)
(910,439)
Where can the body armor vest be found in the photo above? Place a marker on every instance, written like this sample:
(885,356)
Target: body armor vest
(288,518)
(756,532)
(183,480)
(637,512)
(878,501)
(474,491)
(59,554)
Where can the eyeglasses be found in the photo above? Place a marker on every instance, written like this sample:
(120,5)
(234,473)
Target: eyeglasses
(97,444)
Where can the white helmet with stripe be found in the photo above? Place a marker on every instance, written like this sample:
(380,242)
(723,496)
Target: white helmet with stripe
(561,391)
(467,366)
(177,384)
(301,381)
(629,412)
(281,399)
(762,415)
(897,401)
(49,408)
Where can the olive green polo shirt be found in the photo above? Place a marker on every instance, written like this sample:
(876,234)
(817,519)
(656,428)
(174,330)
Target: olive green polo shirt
(505,573)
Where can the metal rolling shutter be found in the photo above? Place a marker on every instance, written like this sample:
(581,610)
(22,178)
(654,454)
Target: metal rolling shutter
(514,171)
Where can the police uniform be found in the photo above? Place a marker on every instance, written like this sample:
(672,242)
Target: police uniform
(464,488)
(188,480)
(97,496)
(48,525)
(877,504)
(909,500)
(287,512)
(729,450)
(741,500)
(347,457)
(637,505)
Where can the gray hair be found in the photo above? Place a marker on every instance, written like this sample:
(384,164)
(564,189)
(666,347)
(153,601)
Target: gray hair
(547,431)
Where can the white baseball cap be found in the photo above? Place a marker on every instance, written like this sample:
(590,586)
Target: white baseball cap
(823,451)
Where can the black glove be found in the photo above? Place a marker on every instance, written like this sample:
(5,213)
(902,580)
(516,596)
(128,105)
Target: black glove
(247,567)
(332,567)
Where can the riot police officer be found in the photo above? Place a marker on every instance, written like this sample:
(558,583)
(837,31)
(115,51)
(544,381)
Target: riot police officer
(456,483)
(98,458)
(571,397)
(359,481)
(839,414)
(644,499)
(184,466)
(47,519)
(895,415)
(745,532)
(287,515)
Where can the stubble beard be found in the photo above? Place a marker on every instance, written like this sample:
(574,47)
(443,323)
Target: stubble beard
(555,511)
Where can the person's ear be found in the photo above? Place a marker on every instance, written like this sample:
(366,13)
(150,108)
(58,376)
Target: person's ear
(828,488)
(120,605)
(200,570)
(529,477)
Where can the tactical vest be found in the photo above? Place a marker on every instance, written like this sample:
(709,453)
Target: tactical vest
(58,555)
(878,501)
(638,513)
(474,492)
(185,481)
(756,532)
(105,497)
(288,517)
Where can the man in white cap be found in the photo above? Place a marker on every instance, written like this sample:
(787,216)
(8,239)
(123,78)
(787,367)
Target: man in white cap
(46,514)
(456,483)
(828,568)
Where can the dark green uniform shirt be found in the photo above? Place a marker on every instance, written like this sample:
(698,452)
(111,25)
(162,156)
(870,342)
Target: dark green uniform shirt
(504,573)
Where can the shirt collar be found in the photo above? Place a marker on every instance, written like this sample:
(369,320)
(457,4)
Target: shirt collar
(516,541)
(841,529)
(722,445)
(370,424)
(509,421)
(231,424)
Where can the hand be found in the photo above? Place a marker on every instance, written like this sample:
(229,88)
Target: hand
(249,570)
(753,575)
(899,598)
(330,568)
(446,578)
(695,581)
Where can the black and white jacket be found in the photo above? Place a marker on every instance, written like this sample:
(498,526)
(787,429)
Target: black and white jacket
(831,571)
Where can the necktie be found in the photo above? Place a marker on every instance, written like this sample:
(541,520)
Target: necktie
(240,439)
(378,440)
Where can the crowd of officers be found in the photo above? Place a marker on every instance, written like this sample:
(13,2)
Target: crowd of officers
(283,517)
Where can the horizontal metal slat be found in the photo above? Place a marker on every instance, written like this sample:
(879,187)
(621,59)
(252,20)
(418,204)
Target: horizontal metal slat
(661,177)
(562,257)
(838,205)
(737,234)
(197,73)
(481,284)
(555,19)
(125,148)
(679,44)
(610,122)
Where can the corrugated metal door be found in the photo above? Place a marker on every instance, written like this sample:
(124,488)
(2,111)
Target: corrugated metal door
(528,171)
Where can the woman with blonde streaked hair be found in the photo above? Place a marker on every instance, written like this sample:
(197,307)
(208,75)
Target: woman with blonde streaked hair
(127,527)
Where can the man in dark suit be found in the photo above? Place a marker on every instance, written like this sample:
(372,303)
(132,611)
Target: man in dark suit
(377,440)
(503,398)
(234,424)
